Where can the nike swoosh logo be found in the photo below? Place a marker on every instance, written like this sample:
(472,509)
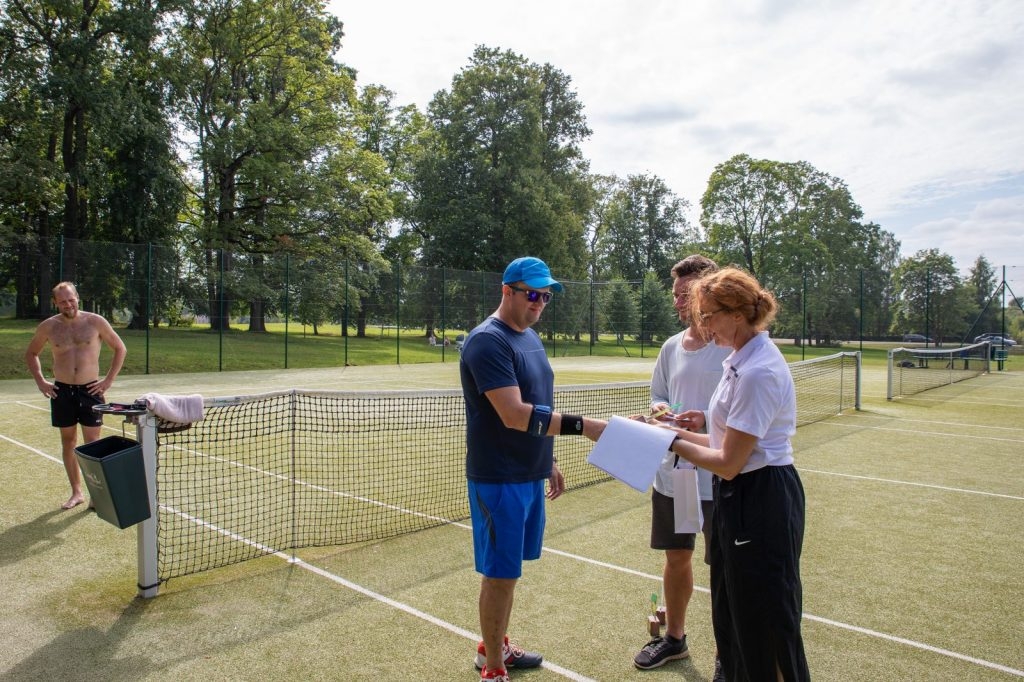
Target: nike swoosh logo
(740,542)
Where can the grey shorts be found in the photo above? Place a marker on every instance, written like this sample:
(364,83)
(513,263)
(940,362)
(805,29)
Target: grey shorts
(663,525)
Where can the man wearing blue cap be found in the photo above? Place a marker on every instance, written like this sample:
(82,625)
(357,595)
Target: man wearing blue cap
(508,387)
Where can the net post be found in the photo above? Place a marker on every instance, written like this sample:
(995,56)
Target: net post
(856,398)
(888,384)
(148,583)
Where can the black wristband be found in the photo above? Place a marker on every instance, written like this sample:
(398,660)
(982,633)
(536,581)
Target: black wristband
(572,425)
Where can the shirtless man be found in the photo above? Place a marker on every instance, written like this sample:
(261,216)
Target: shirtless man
(75,339)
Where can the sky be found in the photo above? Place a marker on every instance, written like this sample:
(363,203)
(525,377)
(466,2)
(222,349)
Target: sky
(918,106)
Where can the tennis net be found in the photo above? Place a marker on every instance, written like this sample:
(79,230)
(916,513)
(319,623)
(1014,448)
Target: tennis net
(826,386)
(279,471)
(913,370)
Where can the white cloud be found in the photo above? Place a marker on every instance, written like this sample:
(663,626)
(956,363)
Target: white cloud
(916,105)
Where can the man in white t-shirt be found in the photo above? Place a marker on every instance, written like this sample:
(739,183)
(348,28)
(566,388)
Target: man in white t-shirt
(688,369)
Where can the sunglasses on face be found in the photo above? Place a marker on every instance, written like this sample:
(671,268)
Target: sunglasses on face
(704,317)
(531,295)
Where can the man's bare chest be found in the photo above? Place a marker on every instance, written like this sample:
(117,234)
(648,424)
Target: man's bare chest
(68,337)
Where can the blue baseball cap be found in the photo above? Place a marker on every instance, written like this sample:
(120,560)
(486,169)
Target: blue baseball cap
(533,272)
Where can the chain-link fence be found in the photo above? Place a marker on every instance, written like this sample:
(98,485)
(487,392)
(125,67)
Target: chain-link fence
(419,314)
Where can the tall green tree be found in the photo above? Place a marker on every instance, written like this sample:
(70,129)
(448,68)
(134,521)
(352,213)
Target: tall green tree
(619,309)
(504,175)
(744,211)
(799,230)
(269,108)
(984,288)
(658,317)
(76,76)
(647,229)
(932,298)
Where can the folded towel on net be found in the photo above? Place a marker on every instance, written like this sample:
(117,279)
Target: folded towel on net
(180,409)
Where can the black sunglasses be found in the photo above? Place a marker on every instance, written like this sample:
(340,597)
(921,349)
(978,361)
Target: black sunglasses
(531,295)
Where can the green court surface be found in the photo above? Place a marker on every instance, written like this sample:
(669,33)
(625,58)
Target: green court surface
(913,565)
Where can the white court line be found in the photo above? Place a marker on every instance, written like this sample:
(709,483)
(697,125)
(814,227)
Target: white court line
(388,601)
(862,415)
(911,483)
(967,401)
(820,619)
(946,434)
(554,668)
(33,450)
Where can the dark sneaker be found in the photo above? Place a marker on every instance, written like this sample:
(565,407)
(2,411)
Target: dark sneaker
(515,656)
(719,676)
(660,651)
(499,675)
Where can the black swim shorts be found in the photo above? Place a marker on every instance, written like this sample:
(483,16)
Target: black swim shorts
(73,405)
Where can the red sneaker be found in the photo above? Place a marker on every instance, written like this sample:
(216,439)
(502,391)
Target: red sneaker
(499,675)
(515,656)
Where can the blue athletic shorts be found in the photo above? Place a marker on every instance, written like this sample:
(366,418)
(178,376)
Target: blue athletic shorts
(73,405)
(508,526)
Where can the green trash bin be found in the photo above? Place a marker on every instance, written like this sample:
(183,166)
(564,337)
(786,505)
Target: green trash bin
(116,477)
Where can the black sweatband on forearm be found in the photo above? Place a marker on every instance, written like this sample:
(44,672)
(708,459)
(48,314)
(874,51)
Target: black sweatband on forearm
(572,425)
(540,419)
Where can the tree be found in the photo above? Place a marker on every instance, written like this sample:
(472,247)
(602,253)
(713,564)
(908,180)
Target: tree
(743,211)
(618,309)
(269,108)
(659,319)
(647,229)
(798,229)
(84,101)
(503,174)
(931,296)
(981,279)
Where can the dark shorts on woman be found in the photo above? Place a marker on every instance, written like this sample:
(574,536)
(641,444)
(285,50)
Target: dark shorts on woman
(73,405)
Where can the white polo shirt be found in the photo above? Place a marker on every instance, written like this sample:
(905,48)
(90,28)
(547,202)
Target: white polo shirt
(685,379)
(756,396)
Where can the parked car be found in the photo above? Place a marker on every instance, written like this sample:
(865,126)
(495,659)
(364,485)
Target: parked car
(995,339)
(916,338)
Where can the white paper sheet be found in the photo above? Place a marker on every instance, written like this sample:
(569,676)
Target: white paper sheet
(631,451)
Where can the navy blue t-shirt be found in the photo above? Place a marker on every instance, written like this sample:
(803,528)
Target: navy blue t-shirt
(495,356)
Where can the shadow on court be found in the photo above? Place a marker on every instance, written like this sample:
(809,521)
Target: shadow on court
(39,535)
(87,653)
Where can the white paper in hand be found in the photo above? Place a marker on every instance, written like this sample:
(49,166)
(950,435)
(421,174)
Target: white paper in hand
(631,451)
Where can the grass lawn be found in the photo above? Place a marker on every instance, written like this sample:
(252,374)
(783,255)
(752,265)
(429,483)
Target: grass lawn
(174,350)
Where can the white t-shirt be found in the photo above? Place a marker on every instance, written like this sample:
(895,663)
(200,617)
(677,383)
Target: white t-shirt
(756,396)
(685,379)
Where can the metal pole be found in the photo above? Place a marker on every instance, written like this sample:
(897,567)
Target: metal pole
(344,318)
(287,262)
(149,297)
(146,538)
(803,324)
(860,323)
(927,304)
(593,324)
(444,324)
(221,322)
(398,313)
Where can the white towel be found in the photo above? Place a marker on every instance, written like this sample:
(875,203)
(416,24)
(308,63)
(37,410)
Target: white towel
(180,409)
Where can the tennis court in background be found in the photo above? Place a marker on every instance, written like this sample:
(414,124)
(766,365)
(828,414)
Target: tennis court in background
(913,567)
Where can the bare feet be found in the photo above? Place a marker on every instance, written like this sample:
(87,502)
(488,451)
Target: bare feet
(73,501)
